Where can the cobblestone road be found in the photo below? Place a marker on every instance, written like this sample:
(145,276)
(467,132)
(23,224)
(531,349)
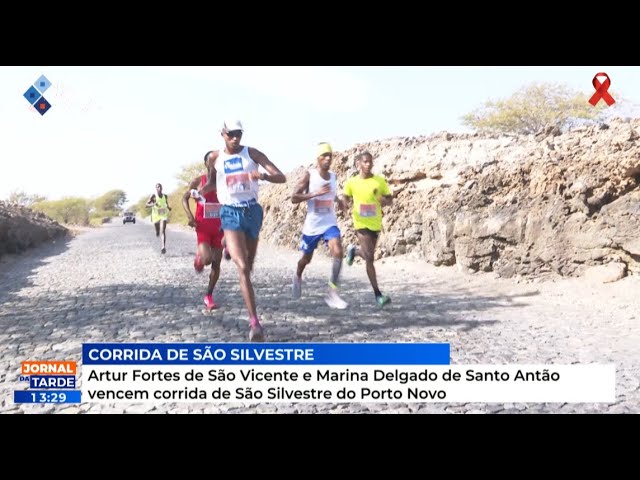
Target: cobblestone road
(112,285)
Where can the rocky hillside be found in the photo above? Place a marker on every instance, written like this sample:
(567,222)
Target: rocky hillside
(22,228)
(515,205)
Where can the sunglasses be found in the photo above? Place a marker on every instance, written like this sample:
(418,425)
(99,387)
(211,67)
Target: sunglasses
(234,133)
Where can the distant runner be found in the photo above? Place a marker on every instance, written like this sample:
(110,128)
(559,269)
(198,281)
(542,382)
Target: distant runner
(318,188)
(160,208)
(369,193)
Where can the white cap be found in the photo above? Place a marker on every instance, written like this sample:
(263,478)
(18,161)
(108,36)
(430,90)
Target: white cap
(231,125)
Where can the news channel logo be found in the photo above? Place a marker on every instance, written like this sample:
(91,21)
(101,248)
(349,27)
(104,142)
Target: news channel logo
(35,95)
(49,382)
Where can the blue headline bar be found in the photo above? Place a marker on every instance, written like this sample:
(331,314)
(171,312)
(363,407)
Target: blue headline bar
(46,396)
(267,353)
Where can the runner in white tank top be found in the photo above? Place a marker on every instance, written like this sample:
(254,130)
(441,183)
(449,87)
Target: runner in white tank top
(235,182)
(234,172)
(318,187)
(321,214)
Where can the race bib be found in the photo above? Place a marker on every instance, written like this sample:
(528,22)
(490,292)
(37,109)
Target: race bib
(368,210)
(322,206)
(162,211)
(233,165)
(211,210)
(238,183)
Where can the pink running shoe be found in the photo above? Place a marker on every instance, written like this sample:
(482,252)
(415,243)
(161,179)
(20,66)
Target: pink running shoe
(256,333)
(210,302)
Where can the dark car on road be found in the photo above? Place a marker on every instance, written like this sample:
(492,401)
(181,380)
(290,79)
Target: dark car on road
(128,217)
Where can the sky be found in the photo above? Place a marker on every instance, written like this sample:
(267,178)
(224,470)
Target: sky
(131,127)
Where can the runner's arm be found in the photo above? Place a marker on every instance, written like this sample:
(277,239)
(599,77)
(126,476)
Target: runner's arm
(273,175)
(346,198)
(301,192)
(210,186)
(386,196)
(151,202)
(185,199)
(385,200)
(343,202)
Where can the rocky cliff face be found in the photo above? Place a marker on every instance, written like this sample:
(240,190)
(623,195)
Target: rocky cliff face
(515,205)
(22,228)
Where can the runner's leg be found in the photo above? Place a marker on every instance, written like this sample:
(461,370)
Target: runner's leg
(237,246)
(164,235)
(296,286)
(216,257)
(303,262)
(215,270)
(252,249)
(366,251)
(335,248)
(333,298)
(241,232)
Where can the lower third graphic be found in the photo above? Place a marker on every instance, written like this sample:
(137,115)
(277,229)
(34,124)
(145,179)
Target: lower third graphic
(49,382)
(35,95)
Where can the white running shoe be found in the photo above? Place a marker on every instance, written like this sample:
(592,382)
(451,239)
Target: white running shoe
(334,301)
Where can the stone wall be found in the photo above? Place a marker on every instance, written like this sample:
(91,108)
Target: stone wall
(515,205)
(22,228)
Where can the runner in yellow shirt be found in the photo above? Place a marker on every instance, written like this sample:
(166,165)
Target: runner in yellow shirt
(160,208)
(369,194)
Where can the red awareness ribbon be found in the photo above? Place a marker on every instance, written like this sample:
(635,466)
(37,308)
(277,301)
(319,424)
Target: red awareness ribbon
(601,90)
